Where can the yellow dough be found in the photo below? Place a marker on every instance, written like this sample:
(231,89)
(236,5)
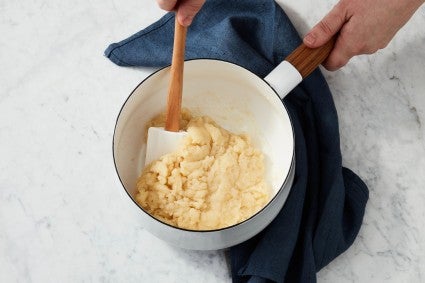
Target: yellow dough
(215,180)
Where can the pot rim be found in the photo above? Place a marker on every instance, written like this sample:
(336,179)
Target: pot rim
(282,186)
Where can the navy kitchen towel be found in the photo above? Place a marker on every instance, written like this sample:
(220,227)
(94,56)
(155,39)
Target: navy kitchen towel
(325,208)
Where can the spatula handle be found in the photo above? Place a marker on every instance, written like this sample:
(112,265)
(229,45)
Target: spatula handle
(306,59)
(174,100)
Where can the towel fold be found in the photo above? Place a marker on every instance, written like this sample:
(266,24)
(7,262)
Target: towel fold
(325,208)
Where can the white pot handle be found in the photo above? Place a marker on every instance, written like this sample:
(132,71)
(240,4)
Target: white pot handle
(283,78)
(298,65)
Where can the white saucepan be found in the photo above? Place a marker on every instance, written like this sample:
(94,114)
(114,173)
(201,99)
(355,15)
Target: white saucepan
(237,100)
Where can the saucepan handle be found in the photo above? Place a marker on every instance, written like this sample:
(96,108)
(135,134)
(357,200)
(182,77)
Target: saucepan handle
(306,59)
(298,65)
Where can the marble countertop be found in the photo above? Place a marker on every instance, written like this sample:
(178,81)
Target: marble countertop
(63,214)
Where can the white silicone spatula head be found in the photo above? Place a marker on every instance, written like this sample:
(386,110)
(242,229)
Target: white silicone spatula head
(161,142)
(165,140)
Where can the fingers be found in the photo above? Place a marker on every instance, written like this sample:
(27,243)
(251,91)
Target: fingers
(326,28)
(339,56)
(167,5)
(322,32)
(187,10)
(350,42)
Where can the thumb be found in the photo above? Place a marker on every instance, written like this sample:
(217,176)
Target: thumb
(326,28)
(187,10)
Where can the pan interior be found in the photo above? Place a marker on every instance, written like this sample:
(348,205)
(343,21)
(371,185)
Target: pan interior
(235,98)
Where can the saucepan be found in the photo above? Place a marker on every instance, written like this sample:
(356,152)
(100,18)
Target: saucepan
(239,101)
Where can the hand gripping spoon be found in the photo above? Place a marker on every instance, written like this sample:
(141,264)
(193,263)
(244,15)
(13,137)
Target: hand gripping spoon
(165,140)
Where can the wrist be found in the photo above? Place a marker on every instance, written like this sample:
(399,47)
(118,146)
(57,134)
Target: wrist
(407,7)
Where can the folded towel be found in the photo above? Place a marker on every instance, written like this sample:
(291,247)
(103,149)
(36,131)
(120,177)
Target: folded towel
(325,208)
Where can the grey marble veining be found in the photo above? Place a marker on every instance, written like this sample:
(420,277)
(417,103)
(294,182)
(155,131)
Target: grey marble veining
(63,215)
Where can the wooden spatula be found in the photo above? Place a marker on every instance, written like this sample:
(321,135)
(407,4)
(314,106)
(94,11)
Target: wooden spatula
(165,140)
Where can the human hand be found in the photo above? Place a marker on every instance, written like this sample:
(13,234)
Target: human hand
(185,9)
(364,27)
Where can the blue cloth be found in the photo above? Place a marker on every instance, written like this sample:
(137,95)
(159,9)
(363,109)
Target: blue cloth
(325,208)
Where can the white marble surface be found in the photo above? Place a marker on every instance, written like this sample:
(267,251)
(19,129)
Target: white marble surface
(63,214)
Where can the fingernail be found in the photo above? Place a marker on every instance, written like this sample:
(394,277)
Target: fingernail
(309,38)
